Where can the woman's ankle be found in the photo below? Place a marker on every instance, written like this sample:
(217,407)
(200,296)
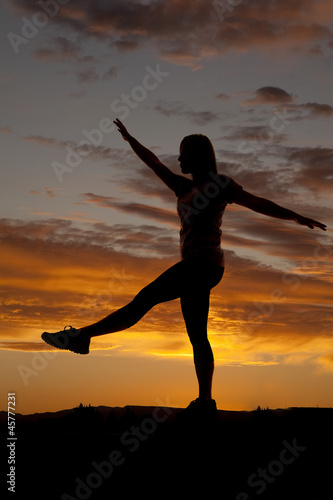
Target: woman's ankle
(84,333)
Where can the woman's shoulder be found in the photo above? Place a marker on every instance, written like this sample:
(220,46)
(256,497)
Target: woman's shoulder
(226,182)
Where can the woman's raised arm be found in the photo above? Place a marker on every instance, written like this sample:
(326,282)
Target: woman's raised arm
(267,207)
(149,158)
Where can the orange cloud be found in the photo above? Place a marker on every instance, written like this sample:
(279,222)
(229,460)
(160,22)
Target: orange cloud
(326,362)
(54,274)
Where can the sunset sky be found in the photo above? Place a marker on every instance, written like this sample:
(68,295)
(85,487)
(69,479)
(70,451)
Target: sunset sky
(85,225)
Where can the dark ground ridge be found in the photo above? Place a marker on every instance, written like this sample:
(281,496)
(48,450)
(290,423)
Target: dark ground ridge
(103,452)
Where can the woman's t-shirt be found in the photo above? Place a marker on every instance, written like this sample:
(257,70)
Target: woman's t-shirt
(200,210)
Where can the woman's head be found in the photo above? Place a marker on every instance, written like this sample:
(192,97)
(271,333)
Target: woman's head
(197,155)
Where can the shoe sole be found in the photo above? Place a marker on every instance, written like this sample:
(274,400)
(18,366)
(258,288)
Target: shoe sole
(48,338)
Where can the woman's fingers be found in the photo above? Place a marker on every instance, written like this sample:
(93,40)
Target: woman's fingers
(310,223)
(314,223)
(321,226)
(122,129)
(119,124)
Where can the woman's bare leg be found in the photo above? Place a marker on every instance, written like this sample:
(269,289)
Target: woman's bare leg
(195,307)
(168,286)
(115,322)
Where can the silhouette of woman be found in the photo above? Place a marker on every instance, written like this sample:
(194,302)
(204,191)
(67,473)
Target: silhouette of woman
(201,203)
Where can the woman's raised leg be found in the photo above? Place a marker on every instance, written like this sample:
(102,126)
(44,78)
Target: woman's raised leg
(168,286)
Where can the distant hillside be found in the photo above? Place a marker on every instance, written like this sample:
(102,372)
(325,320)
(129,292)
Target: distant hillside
(142,410)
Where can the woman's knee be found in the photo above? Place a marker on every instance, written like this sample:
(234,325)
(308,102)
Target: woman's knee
(203,354)
(201,347)
(139,306)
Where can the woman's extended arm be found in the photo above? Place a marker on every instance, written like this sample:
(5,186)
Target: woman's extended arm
(149,158)
(267,207)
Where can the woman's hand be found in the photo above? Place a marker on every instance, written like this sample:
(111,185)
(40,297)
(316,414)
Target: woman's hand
(122,129)
(304,221)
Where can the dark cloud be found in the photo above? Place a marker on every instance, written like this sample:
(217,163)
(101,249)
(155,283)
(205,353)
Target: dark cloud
(317,109)
(125,238)
(141,210)
(283,111)
(222,96)
(253,133)
(59,49)
(178,108)
(310,110)
(87,76)
(270,95)
(286,102)
(62,49)
(316,173)
(185,35)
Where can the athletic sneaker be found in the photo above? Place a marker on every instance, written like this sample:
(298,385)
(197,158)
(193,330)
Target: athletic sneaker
(200,409)
(68,339)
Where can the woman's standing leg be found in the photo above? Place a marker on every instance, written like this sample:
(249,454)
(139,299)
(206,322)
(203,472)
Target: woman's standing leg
(195,308)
